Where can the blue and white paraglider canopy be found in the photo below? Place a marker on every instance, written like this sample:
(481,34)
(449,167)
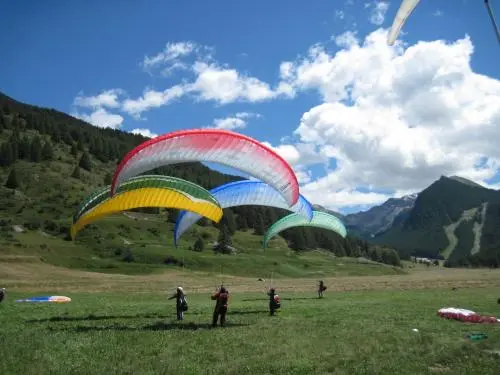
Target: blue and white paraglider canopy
(53,299)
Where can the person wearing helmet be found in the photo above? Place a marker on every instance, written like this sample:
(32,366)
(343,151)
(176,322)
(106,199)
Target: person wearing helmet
(180,302)
(221,297)
(274,301)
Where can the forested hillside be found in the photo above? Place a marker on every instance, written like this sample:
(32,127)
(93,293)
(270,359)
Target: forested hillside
(51,161)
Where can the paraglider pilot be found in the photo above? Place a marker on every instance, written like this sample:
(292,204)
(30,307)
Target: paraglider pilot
(321,289)
(221,297)
(180,302)
(274,301)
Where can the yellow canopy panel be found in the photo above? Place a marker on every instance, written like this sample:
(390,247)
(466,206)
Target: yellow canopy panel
(149,197)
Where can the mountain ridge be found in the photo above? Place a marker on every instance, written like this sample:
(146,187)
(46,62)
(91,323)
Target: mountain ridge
(452,219)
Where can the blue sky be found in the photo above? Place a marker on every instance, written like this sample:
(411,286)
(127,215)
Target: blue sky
(59,54)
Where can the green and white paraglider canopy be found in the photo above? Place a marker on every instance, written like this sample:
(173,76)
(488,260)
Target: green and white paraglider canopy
(319,220)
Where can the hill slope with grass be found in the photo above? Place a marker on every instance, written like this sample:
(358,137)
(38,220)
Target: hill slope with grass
(51,161)
(453,219)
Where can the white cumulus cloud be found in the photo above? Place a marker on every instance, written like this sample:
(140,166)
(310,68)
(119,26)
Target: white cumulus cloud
(394,119)
(107,98)
(153,99)
(377,12)
(171,52)
(101,118)
(144,132)
(226,85)
(237,121)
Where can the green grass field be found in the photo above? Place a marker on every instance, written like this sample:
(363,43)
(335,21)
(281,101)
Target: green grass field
(102,249)
(132,330)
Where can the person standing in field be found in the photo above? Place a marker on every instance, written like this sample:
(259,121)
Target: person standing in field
(180,302)
(221,297)
(274,301)
(321,289)
(3,294)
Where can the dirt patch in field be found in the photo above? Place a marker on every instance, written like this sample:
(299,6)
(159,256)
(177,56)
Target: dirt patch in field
(439,369)
(37,276)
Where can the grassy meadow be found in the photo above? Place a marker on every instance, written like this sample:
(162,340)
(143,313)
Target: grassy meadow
(124,324)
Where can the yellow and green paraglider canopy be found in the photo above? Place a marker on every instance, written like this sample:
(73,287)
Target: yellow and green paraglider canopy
(147,191)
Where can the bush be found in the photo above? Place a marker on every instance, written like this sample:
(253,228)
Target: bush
(51,226)
(5,222)
(173,260)
(33,224)
(128,256)
(205,235)
(154,231)
(199,245)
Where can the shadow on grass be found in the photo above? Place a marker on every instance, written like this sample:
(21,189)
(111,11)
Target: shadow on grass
(92,317)
(283,299)
(247,312)
(159,326)
(298,298)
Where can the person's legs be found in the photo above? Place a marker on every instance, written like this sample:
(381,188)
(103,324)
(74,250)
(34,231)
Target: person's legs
(223,317)
(215,318)
(179,313)
(271,309)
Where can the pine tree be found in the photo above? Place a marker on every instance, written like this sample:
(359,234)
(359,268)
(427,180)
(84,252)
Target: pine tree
(24,148)
(259,226)
(298,242)
(36,149)
(108,178)
(76,172)
(47,153)
(14,143)
(55,134)
(6,154)
(85,162)
(66,137)
(199,245)
(224,239)
(309,238)
(74,150)
(228,220)
(12,180)
(241,222)
(79,145)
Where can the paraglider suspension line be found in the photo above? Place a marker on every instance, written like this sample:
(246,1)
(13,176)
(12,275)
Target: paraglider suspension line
(492,17)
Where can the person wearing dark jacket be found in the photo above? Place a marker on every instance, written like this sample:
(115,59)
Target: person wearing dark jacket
(221,297)
(2,294)
(274,303)
(321,289)
(180,302)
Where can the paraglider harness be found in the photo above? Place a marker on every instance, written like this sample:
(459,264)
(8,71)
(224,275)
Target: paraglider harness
(277,302)
(184,304)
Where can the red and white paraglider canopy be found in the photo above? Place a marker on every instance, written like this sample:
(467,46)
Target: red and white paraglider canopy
(464,315)
(211,145)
